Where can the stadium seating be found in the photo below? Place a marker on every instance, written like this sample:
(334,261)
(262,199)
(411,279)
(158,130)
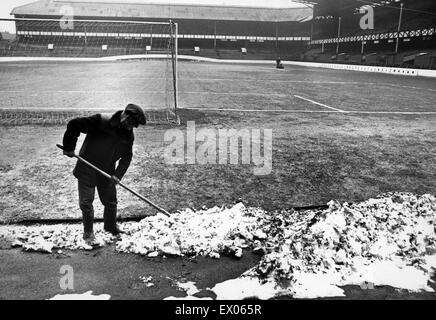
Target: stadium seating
(376,53)
(416,58)
(416,15)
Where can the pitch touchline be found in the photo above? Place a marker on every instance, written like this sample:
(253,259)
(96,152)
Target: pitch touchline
(393,112)
(241,79)
(143,91)
(37,92)
(231,110)
(216,79)
(319,104)
(254,110)
(316,111)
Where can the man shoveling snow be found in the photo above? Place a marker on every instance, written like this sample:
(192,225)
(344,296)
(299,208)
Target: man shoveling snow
(109,138)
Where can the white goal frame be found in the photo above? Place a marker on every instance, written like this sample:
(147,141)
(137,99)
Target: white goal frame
(173,27)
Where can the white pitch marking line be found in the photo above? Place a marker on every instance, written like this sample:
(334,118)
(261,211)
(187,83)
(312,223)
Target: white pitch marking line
(236,110)
(254,110)
(30,109)
(319,104)
(393,112)
(37,92)
(238,79)
(317,111)
(82,91)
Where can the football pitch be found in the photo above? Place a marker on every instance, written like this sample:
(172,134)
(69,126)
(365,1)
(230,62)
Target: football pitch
(211,86)
(339,135)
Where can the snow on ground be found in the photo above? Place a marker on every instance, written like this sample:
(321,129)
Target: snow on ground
(46,238)
(208,232)
(187,298)
(389,240)
(85,296)
(189,288)
(247,287)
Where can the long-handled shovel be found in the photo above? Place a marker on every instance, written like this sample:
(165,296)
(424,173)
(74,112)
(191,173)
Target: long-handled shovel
(122,185)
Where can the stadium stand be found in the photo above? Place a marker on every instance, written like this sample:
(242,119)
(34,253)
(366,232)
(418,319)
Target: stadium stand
(376,46)
(209,27)
(220,32)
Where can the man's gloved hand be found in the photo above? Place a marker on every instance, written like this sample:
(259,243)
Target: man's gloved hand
(69,153)
(115,180)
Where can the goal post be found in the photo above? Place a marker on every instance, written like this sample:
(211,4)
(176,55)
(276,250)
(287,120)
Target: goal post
(174,52)
(155,43)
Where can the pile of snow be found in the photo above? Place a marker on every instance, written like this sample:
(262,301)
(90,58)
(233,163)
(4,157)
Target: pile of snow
(206,232)
(51,237)
(389,240)
(400,225)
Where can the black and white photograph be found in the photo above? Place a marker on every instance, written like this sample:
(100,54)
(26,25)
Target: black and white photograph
(217,157)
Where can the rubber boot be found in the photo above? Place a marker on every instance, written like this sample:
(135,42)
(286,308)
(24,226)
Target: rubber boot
(110,221)
(88,221)
(88,227)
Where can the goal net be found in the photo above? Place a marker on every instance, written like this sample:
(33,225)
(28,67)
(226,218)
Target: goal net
(121,62)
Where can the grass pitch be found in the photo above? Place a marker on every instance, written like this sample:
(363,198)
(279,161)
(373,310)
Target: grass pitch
(319,154)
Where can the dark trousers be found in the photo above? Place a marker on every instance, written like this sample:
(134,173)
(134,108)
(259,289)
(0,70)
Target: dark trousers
(107,193)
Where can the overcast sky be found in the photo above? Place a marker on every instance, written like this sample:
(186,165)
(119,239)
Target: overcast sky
(6,6)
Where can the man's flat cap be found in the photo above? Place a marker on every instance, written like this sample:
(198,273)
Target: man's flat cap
(136,112)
